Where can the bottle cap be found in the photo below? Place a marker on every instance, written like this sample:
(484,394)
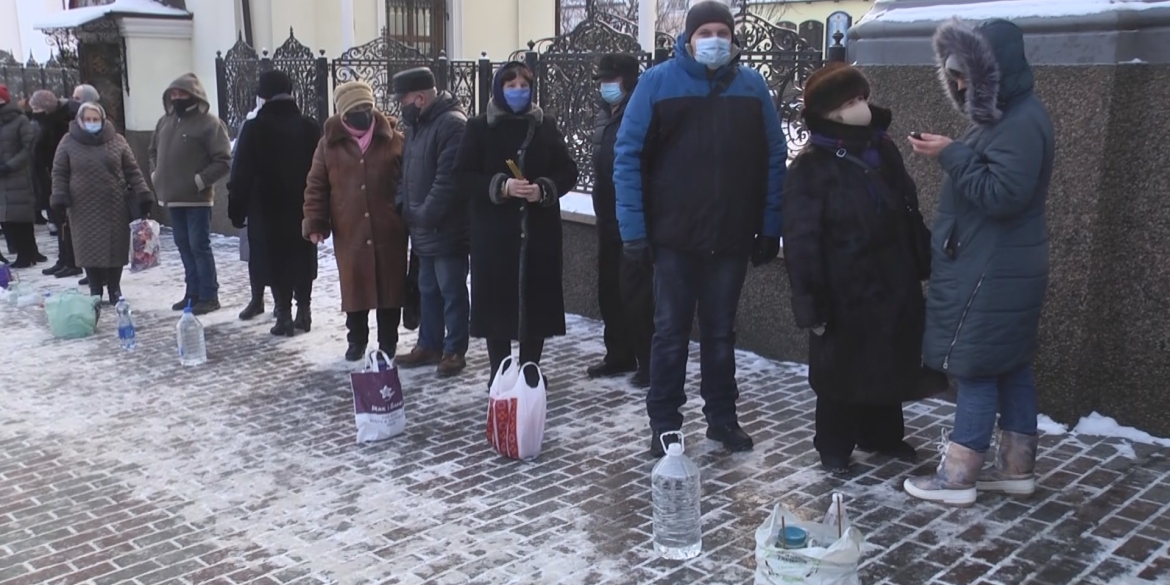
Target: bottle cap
(674,449)
(794,536)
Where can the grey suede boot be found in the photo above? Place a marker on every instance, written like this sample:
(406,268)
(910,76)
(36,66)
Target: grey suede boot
(1014,471)
(954,483)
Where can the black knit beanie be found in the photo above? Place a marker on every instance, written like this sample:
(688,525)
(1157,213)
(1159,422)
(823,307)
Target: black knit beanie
(273,83)
(707,12)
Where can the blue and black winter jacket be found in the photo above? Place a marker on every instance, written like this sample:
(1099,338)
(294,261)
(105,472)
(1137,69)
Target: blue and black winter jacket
(696,172)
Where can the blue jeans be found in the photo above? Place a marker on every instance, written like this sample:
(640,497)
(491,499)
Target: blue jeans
(682,281)
(192,230)
(442,286)
(1012,394)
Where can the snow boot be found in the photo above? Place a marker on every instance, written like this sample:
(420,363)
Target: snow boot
(954,483)
(1014,472)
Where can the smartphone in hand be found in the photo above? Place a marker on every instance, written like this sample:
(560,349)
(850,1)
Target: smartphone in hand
(916,135)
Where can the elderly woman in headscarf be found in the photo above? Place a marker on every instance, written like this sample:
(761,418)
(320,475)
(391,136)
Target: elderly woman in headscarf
(98,184)
(350,194)
(509,207)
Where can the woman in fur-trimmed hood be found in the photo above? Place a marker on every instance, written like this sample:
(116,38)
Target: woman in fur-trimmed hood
(989,270)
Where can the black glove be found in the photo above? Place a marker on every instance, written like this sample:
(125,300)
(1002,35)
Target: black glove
(5,170)
(638,252)
(145,208)
(59,210)
(765,250)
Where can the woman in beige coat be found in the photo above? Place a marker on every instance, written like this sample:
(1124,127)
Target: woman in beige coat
(350,193)
(98,183)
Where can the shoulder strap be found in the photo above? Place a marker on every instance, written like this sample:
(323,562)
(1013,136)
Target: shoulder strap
(843,154)
(723,83)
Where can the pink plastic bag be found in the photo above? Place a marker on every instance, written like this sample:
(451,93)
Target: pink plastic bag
(145,244)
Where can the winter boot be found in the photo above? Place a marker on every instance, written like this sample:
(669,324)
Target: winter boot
(1014,472)
(954,483)
(304,320)
(284,323)
(452,365)
(3,260)
(255,306)
(68,272)
(54,269)
(419,357)
(355,352)
(608,369)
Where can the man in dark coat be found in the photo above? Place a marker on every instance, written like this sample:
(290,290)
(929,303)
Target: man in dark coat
(52,116)
(266,192)
(990,259)
(699,169)
(625,290)
(436,214)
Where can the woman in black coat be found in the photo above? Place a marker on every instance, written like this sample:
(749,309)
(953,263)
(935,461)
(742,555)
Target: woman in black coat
(850,231)
(515,222)
(266,192)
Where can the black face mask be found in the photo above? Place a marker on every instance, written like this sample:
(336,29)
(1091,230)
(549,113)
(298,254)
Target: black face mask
(410,113)
(962,93)
(183,104)
(359,120)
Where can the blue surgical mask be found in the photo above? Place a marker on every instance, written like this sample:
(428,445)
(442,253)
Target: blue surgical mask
(92,127)
(713,52)
(518,98)
(612,93)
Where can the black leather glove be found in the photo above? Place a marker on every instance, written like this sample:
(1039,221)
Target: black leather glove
(638,252)
(145,208)
(765,250)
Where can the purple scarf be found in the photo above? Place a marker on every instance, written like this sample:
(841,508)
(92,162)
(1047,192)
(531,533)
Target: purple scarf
(869,155)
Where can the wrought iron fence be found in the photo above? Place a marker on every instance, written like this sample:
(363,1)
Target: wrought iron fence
(23,79)
(238,74)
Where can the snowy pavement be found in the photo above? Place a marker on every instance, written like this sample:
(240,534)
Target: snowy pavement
(127,468)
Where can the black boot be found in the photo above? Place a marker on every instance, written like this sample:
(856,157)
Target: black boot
(304,320)
(355,352)
(3,260)
(54,269)
(68,272)
(284,323)
(255,307)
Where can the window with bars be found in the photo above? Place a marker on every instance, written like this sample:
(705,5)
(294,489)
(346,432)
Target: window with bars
(421,24)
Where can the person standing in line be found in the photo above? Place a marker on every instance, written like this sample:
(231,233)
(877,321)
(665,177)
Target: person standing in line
(98,185)
(257,279)
(83,94)
(515,222)
(989,273)
(52,115)
(18,201)
(850,247)
(437,217)
(350,194)
(625,290)
(266,192)
(189,152)
(699,168)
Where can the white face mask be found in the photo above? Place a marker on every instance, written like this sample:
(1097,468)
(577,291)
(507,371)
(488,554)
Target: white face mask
(854,114)
(260,102)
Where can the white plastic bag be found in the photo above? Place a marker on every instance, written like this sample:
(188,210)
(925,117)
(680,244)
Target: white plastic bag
(828,560)
(145,244)
(378,406)
(516,411)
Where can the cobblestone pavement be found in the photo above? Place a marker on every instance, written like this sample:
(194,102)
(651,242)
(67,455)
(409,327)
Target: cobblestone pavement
(127,468)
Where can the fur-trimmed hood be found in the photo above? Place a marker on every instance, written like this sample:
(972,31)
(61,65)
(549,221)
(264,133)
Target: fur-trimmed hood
(992,58)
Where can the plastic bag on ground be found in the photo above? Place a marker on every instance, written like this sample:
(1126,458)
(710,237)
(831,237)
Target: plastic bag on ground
(378,404)
(72,315)
(145,244)
(828,560)
(517,406)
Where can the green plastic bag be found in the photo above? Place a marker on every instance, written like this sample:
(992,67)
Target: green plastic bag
(72,315)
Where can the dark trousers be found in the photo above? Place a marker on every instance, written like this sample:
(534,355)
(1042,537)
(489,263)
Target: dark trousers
(283,295)
(499,349)
(625,294)
(21,239)
(841,427)
(682,282)
(105,278)
(358,324)
(65,255)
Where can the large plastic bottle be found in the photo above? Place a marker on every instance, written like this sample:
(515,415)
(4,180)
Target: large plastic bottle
(192,344)
(126,332)
(837,518)
(678,523)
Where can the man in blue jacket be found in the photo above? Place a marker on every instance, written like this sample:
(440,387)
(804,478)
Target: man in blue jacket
(699,169)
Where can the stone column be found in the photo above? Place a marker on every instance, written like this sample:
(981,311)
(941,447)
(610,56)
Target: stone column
(1105,336)
(647,23)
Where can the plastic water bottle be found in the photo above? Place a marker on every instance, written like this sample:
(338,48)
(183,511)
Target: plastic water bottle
(837,518)
(678,524)
(125,325)
(192,344)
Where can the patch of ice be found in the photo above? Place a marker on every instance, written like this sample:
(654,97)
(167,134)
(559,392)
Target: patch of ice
(1050,427)
(1010,9)
(1099,425)
(1125,449)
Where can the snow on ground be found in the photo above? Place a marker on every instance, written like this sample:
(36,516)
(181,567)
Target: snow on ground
(1010,9)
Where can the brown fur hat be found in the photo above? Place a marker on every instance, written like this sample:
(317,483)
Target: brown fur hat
(832,86)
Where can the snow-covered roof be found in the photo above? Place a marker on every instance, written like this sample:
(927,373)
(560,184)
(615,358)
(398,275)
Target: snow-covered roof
(1010,9)
(79,16)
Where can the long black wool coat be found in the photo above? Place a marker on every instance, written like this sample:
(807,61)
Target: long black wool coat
(852,267)
(496,222)
(273,156)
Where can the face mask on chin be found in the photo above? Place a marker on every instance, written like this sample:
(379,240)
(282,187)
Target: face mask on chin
(855,114)
(714,52)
